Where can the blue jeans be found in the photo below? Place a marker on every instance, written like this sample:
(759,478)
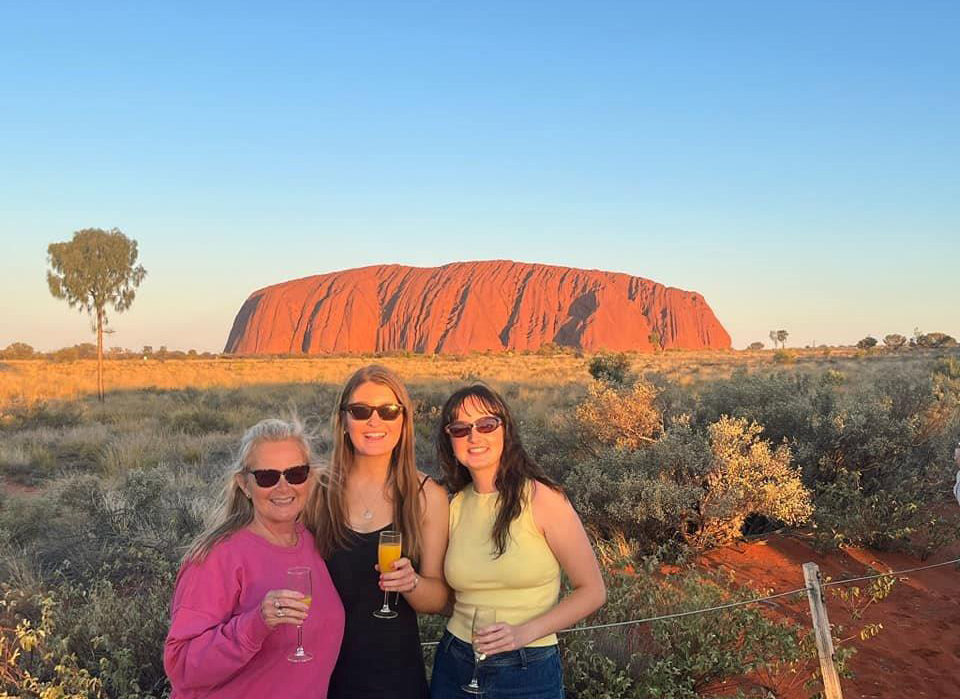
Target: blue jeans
(528,673)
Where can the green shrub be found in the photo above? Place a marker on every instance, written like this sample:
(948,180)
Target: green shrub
(53,415)
(621,417)
(612,368)
(199,421)
(698,487)
(674,658)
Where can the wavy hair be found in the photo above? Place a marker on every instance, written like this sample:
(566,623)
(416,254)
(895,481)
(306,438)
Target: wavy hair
(516,468)
(233,510)
(326,512)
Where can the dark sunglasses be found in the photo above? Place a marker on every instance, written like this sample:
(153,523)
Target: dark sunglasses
(362,411)
(269,477)
(484,425)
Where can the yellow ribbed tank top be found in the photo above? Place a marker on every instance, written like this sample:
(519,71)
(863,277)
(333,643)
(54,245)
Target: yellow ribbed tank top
(521,584)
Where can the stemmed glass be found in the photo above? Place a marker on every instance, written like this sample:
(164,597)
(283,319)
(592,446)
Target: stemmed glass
(388,552)
(482,618)
(299,579)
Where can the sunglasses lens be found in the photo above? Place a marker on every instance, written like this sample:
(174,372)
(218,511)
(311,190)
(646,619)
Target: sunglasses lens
(359,411)
(266,477)
(485,425)
(362,411)
(297,474)
(458,429)
(391,411)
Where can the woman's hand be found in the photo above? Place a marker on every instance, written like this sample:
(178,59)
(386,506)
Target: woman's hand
(500,638)
(403,578)
(283,607)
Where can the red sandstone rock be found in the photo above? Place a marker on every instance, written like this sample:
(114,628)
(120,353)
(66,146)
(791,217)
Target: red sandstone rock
(467,306)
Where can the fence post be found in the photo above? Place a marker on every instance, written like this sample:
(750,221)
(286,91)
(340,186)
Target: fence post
(821,631)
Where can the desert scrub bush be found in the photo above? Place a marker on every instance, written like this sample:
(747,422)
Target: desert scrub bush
(698,487)
(619,417)
(108,552)
(198,421)
(83,529)
(33,660)
(747,477)
(782,356)
(42,414)
(612,368)
(676,658)
(884,459)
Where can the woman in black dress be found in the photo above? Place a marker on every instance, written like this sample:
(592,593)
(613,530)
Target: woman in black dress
(372,485)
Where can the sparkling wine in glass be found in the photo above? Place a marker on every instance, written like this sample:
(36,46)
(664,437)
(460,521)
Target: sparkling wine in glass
(299,579)
(482,618)
(387,554)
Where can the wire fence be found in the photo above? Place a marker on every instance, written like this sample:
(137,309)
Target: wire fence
(742,603)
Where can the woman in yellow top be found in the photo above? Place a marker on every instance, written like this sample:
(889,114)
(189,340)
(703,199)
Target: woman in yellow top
(512,531)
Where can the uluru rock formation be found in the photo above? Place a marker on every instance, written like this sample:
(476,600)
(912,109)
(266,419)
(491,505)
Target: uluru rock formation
(469,306)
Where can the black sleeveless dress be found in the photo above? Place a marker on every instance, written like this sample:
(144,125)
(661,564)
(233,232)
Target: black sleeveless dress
(379,658)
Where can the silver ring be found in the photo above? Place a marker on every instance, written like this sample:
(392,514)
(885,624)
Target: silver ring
(279,612)
(276,603)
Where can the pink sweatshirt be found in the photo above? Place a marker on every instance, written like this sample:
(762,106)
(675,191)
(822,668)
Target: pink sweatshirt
(219,646)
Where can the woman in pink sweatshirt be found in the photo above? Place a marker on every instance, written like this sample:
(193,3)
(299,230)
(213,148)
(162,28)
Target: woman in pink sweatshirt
(234,617)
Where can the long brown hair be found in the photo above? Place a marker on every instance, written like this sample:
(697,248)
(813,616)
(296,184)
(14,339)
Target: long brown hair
(233,510)
(326,512)
(516,468)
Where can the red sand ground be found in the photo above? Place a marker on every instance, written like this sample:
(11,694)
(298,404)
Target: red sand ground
(916,655)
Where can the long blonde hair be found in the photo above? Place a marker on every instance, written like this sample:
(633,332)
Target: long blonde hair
(326,512)
(233,510)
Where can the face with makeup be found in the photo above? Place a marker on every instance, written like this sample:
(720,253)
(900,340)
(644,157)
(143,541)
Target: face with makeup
(373,435)
(477,451)
(280,504)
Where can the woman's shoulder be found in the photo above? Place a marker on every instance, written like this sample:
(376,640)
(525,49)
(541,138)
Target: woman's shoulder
(430,488)
(547,503)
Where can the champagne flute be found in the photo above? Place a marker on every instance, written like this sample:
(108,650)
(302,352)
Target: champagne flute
(482,618)
(387,554)
(299,579)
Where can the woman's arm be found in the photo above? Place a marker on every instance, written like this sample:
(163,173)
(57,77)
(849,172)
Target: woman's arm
(564,532)
(203,651)
(425,590)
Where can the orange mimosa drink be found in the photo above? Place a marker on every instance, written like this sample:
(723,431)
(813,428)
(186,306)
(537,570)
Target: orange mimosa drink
(388,554)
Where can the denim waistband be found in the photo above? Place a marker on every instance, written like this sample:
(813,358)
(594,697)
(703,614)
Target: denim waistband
(520,657)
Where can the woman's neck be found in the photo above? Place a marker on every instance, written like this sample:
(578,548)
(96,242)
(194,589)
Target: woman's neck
(370,469)
(484,481)
(282,534)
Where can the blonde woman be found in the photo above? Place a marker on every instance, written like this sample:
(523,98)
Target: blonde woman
(372,485)
(233,620)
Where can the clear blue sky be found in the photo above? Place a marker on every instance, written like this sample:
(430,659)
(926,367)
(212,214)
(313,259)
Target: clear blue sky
(797,163)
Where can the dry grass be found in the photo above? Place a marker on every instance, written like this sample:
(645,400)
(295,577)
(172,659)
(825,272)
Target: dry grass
(29,381)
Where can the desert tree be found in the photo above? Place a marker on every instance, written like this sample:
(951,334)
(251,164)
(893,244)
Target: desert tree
(773,338)
(93,270)
(894,341)
(782,337)
(18,350)
(755,346)
(867,343)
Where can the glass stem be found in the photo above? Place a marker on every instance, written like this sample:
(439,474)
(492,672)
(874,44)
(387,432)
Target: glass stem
(386,601)
(476,666)
(300,640)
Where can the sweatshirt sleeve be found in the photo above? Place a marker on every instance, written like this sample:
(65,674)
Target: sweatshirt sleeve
(209,640)
(956,488)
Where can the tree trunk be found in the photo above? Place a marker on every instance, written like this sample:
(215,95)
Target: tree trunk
(100,354)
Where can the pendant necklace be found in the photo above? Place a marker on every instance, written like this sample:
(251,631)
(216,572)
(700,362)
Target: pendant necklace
(367,512)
